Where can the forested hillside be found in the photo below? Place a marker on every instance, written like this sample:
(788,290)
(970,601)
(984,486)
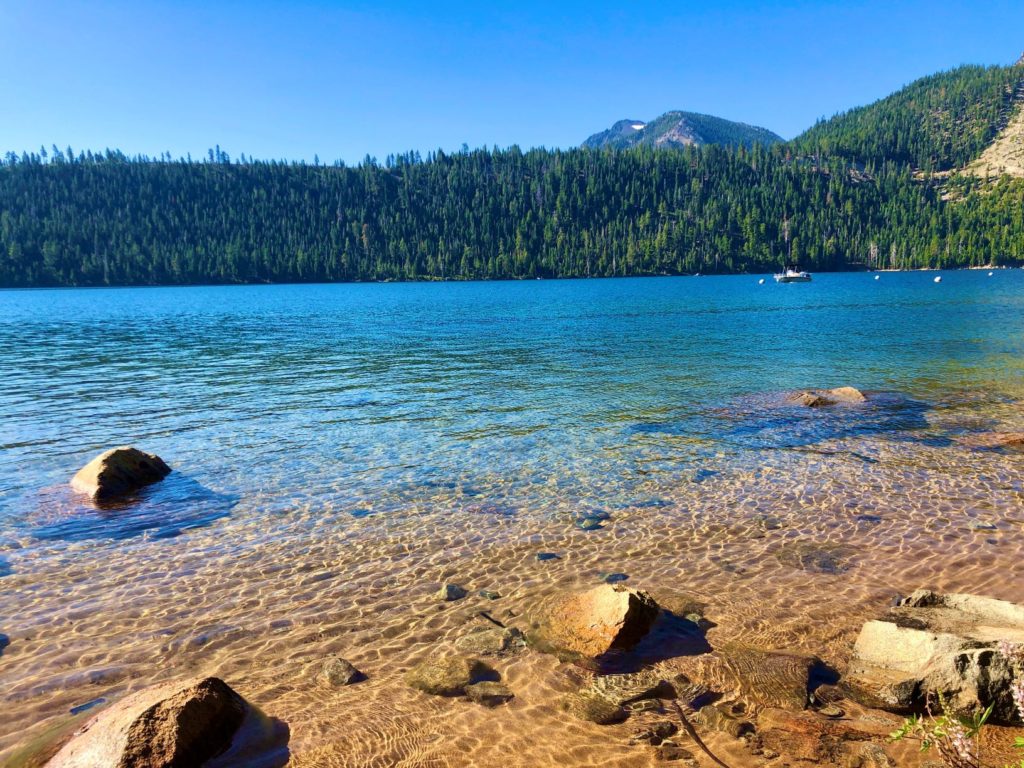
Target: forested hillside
(846,194)
(935,124)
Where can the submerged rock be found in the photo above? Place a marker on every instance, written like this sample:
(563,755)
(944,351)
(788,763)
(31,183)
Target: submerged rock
(337,672)
(119,471)
(594,708)
(491,641)
(449,675)
(163,727)
(934,643)
(994,440)
(760,679)
(451,592)
(590,624)
(490,694)
(815,557)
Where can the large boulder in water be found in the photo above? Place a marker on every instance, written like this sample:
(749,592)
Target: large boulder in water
(162,727)
(939,644)
(119,471)
(590,624)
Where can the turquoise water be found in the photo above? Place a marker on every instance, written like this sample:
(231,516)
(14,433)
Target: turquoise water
(368,398)
(340,451)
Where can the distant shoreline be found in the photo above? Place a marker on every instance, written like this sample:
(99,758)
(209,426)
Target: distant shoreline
(502,280)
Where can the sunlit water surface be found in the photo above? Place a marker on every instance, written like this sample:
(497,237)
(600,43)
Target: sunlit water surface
(342,450)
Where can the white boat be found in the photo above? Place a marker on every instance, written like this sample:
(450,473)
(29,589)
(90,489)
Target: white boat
(793,275)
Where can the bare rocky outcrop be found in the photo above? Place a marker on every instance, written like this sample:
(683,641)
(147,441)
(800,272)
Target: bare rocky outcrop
(119,471)
(611,617)
(933,643)
(819,398)
(167,726)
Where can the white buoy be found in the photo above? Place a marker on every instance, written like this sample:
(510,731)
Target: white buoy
(878,277)
(991,273)
(938,278)
(761,281)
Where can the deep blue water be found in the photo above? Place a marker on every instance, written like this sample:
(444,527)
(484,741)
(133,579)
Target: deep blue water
(369,398)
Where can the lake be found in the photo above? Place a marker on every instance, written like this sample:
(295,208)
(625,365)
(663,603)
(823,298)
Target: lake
(342,450)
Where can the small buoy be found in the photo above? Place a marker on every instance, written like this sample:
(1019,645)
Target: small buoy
(878,277)
(938,278)
(761,281)
(991,273)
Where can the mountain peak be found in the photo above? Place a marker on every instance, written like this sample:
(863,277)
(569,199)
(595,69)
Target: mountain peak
(680,129)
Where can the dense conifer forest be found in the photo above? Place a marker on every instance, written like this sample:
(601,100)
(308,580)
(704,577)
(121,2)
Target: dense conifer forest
(854,191)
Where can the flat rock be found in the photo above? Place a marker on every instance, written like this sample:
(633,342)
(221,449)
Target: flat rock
(119,471)
(934,642)
(994,440)
(759,678)
(489,693)
(337,672)
(592,623)
(449,675)
(807,737)
(594,708)
(491,641)
(167,726)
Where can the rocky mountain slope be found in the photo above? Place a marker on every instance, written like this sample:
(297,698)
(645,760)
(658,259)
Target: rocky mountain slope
(680,129)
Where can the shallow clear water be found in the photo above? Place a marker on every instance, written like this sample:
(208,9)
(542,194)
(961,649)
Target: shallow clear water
(362,443)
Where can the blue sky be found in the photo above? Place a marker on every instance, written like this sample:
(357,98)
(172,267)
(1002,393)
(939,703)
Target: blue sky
(342,80)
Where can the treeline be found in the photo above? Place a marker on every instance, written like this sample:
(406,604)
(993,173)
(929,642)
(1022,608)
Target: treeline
(826,202)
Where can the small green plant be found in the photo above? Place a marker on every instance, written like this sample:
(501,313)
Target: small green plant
(957,738)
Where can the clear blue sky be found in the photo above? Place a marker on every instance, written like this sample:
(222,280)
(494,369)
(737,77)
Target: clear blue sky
(340,80)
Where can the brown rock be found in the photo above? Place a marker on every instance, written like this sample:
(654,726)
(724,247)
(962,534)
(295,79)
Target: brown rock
(994,440)
(162,727)
(119,471)
(593,707)
(805,736)
(590,624)
(448,675)
(490,694)
(817,398)
(761,679)
(337,672)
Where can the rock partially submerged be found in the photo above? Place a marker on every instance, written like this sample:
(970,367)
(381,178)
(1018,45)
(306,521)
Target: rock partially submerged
(593,707)
(162,727)
(933,643)
(119,471)
(818,398)
(611,617)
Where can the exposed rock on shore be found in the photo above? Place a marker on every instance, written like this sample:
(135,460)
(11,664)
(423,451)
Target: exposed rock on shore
(119,471)
(934,643)
(590,624)
(166,726)
(818,398)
